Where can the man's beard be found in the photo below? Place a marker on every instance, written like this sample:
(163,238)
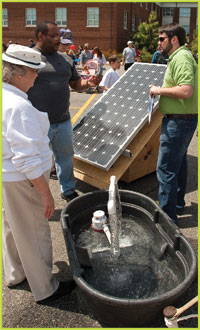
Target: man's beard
(167,49)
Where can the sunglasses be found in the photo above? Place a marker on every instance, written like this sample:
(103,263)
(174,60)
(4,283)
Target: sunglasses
(161,39)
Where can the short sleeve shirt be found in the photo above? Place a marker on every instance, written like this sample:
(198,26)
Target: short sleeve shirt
(85,56)
(50,92)
(110,77)
(181,70)
(129,54)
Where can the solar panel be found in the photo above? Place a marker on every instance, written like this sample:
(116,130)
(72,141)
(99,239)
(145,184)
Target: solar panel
(105,131)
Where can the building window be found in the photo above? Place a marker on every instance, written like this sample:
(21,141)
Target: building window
(5,17)
(184,12)
(146,5)
(133,23)
(141,4)
(93,17)
(125,23)
(168,11)
(61,16)
(152,6)
(140,20)
(30,16)
(187,29)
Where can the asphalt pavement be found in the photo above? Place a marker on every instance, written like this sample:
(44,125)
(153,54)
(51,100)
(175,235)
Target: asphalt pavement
(19,309)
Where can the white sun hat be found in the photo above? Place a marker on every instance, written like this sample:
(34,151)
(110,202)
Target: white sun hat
(22,55)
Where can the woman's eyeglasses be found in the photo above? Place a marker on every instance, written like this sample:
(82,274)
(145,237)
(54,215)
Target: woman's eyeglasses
(161,39)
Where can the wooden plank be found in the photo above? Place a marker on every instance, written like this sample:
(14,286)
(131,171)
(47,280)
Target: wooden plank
(145,163)
(101,178)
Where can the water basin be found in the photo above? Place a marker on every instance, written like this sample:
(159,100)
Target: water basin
(155,267)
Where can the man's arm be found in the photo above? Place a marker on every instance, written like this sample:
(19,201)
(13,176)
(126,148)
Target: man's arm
(176,92)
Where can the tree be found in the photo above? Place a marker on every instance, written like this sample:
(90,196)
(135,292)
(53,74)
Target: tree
(146,37)
(194,43)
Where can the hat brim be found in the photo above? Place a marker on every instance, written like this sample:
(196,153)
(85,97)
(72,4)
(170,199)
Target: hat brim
(66,41)
(20,62)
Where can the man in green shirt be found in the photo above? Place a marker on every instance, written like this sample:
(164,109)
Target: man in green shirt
(178,103)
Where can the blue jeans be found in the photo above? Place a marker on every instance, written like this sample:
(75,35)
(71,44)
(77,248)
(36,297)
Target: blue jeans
(175,138)
(61,143)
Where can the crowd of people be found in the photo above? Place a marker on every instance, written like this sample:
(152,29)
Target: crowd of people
(36,128)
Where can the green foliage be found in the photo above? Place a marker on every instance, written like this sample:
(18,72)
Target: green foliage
(107,53)
(194,44)
(146,36)
(145,55)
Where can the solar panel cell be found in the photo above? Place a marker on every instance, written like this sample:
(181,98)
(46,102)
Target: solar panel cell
(105,131)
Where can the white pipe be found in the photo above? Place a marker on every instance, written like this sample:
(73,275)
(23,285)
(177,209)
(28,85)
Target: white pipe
(107,232)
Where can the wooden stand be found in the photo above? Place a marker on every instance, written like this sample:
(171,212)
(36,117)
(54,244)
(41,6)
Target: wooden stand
(144,149)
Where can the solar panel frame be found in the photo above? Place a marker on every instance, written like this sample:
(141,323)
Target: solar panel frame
(102,148)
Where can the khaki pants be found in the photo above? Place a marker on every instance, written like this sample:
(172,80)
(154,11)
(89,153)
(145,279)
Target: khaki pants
(27,247)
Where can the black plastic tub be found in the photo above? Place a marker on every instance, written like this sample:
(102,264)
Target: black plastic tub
(126,311)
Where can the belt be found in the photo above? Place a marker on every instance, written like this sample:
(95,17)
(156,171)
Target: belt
(191,115)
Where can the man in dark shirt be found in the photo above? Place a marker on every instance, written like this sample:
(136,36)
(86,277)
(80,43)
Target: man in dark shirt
(51,94)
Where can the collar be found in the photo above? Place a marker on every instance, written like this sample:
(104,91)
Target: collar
(176,52)
(15,90)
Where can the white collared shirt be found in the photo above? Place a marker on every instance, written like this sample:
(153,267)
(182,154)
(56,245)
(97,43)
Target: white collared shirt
(26,153)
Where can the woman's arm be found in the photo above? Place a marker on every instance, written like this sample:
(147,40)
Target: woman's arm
(47,199)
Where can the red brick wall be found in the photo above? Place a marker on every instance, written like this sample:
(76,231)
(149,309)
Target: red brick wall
(109,35)
(76,21)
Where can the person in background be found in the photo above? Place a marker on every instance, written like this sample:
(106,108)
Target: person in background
(64,46)
(9,43)
(111,76)
(92,50)
(4,47)
(86,55)
(27,200)
(138,55)
(129,54)
(179,105)
(80,49)
(196,57)
(32,44)
(51,94)
(159,57)
(100,58)
(72,54)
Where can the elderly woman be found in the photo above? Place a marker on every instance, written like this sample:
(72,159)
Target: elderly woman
(27,200)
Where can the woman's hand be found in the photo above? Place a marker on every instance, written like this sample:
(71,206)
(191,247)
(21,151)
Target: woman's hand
(48,203)
(47,199)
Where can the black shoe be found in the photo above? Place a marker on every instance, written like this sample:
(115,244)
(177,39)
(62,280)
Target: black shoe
(69,197)
(53,175)
(63,289)
(180,210)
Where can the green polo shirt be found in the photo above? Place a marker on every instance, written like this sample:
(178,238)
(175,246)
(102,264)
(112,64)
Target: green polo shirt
(181,70)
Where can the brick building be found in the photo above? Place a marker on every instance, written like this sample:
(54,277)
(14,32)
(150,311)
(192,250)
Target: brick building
(107,25)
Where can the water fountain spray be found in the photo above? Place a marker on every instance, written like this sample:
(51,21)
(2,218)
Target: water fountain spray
(115,215)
